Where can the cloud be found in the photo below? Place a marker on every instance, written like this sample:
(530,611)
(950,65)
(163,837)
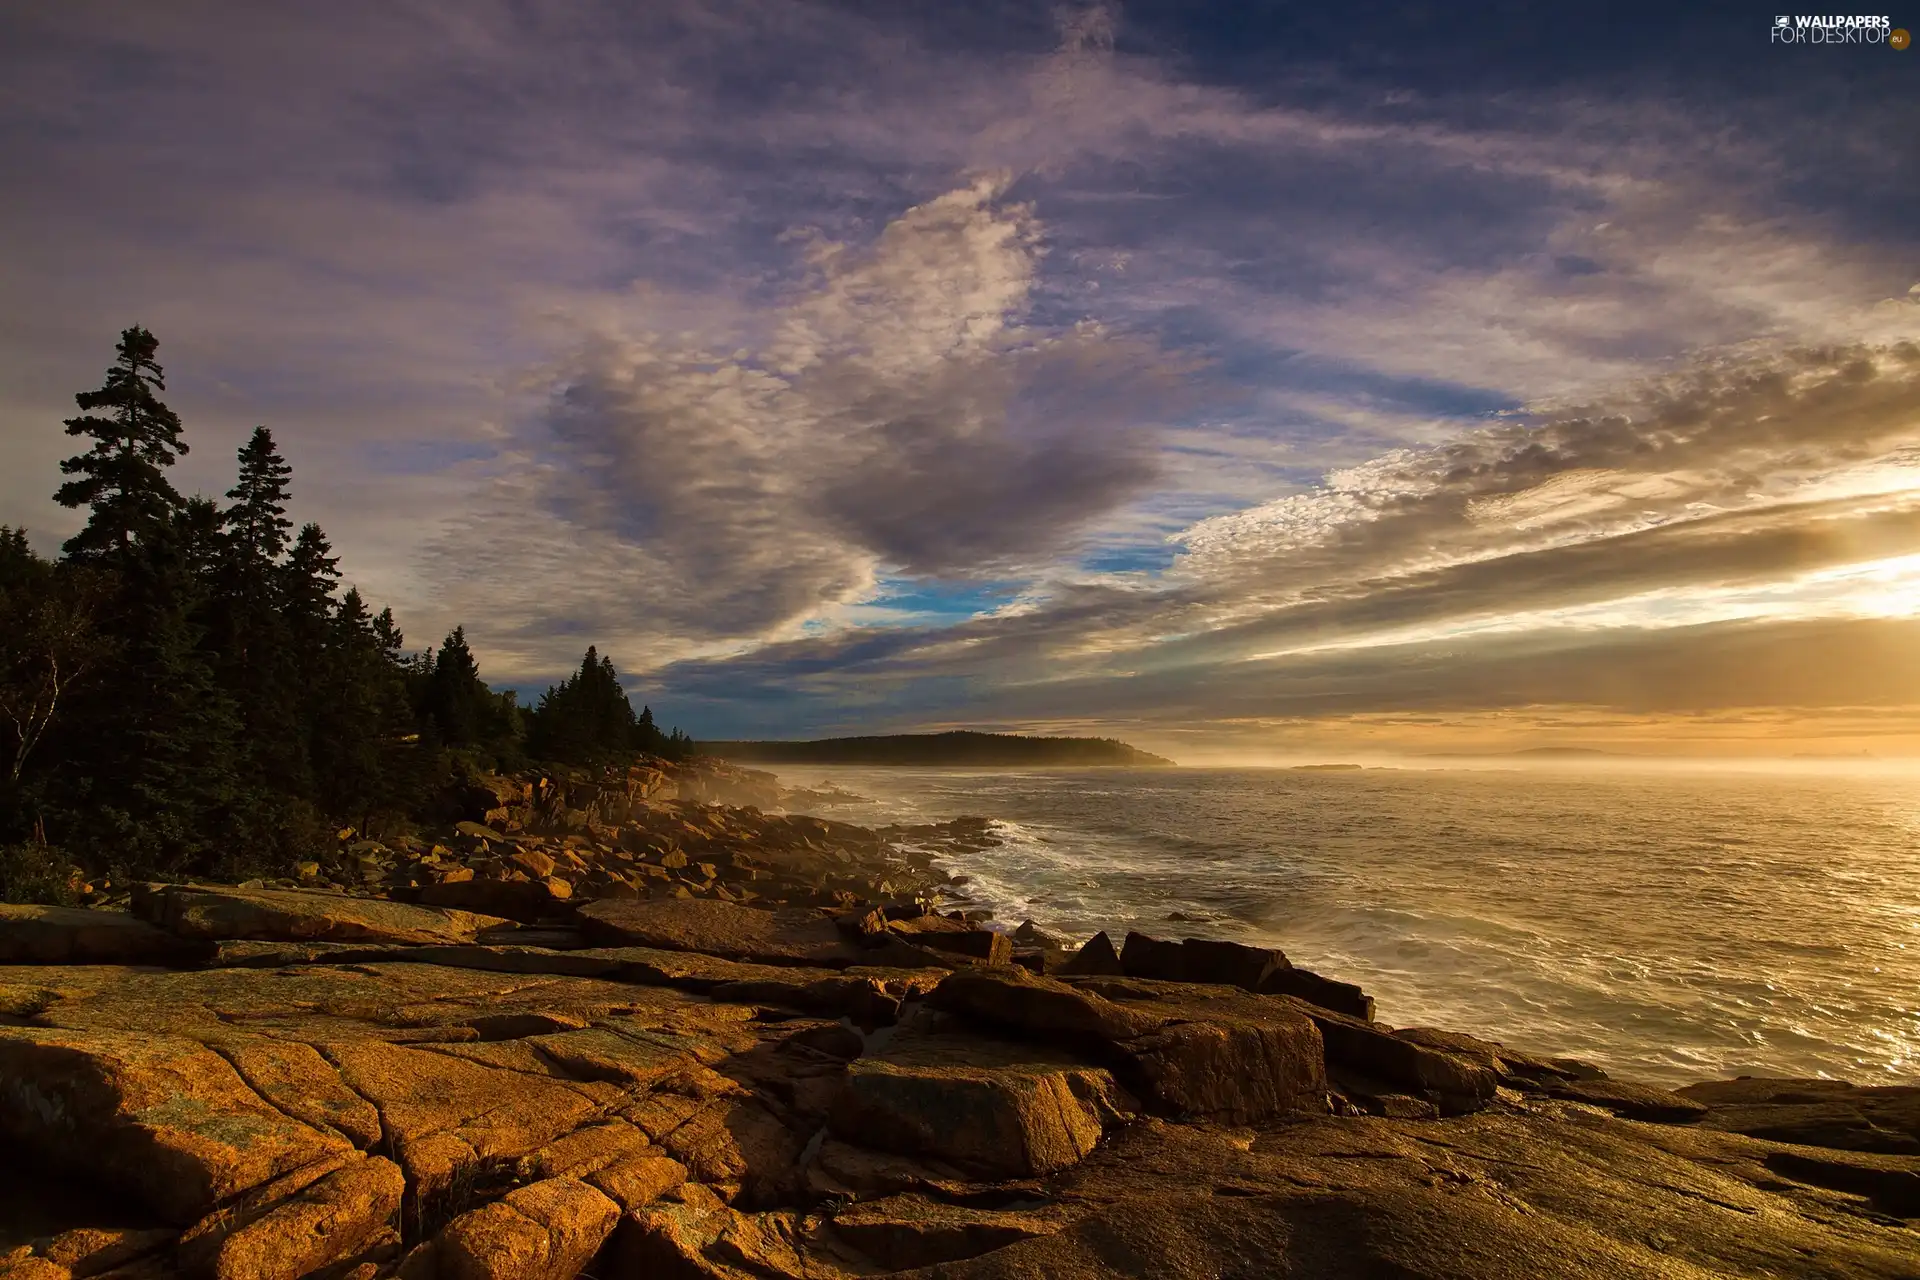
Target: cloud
(899,413)
(700,330)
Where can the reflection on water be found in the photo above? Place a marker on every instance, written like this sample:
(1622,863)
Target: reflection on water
(1670,927)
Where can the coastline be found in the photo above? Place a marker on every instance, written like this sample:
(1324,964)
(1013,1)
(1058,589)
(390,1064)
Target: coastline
(713,1039)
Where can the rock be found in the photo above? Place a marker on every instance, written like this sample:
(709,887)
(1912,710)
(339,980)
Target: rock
(1633,1101)
(1096,957)
(327,1221)
(639,1181)
(739,1142)
(444,1115)
(212,912)
(523,900)
(1029,934)
(1816,1113)
(302,1084)
(1199,960)
(785,935)
(166,1119)
(546,1231)
(984,945)
(76,935)
(584,1152)
(89,1251)
(906,1231)
(999,1109)
(1304,984)
(1456,1083)
(700,1240)
(1199,1052)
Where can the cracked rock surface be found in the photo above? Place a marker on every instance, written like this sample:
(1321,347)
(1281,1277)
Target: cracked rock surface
(270,1083)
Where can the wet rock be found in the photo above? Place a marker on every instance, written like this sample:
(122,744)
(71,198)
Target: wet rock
(784,935)
(288,915)
(76,935)
(1199,960)
(1304,984)
(545,1231)
(1095,958)
(165,1118)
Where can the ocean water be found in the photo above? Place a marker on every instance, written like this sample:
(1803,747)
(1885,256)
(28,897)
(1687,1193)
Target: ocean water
(1670,927)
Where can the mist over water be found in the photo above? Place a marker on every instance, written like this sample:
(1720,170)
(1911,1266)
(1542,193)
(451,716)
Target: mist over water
(1670,927)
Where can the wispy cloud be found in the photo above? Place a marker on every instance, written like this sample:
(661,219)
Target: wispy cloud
(705,330)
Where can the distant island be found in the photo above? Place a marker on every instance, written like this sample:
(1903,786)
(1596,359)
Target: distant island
(958,748)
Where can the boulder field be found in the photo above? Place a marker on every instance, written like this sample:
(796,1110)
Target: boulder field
(822,1080)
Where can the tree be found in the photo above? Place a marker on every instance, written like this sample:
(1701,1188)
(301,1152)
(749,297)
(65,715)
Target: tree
(257,521)
(49,641)
(464,711)
(584,719)
(122,476)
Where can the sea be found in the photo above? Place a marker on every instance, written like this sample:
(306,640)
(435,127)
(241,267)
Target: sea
(1668,925)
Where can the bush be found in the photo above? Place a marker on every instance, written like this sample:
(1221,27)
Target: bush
(38,873)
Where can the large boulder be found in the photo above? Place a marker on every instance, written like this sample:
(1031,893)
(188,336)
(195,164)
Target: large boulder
(212,912)
(1456,1082)
(1304,984)
(166,1119)
(1199,960)
(76,935)
(999,1109)
(1211,1053)
(783,935)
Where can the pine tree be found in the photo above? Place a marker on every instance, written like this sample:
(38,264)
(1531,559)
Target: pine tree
(464,711)
(161,746)
(257,521)
(122,476)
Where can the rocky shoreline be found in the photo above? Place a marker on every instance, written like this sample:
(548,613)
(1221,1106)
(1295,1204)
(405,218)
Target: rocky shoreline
(643,1024)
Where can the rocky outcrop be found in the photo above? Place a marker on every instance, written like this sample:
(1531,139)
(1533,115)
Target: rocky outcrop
(783,935)
(73,935)
(217,912)
(820,1080)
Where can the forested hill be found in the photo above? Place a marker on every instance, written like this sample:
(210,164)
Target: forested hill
(958,748)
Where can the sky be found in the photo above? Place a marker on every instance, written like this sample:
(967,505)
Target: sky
(1238,379)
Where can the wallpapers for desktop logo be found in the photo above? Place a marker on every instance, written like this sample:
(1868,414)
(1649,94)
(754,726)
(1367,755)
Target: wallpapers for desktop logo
(1838,29)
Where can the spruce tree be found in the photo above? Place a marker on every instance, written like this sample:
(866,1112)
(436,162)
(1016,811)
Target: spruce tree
(257,521)
(135,437)
(250,628)
(461,706)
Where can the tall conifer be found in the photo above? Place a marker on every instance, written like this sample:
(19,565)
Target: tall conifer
(135,437)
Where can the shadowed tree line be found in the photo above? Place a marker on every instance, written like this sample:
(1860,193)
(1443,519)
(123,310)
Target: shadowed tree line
(188,691)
